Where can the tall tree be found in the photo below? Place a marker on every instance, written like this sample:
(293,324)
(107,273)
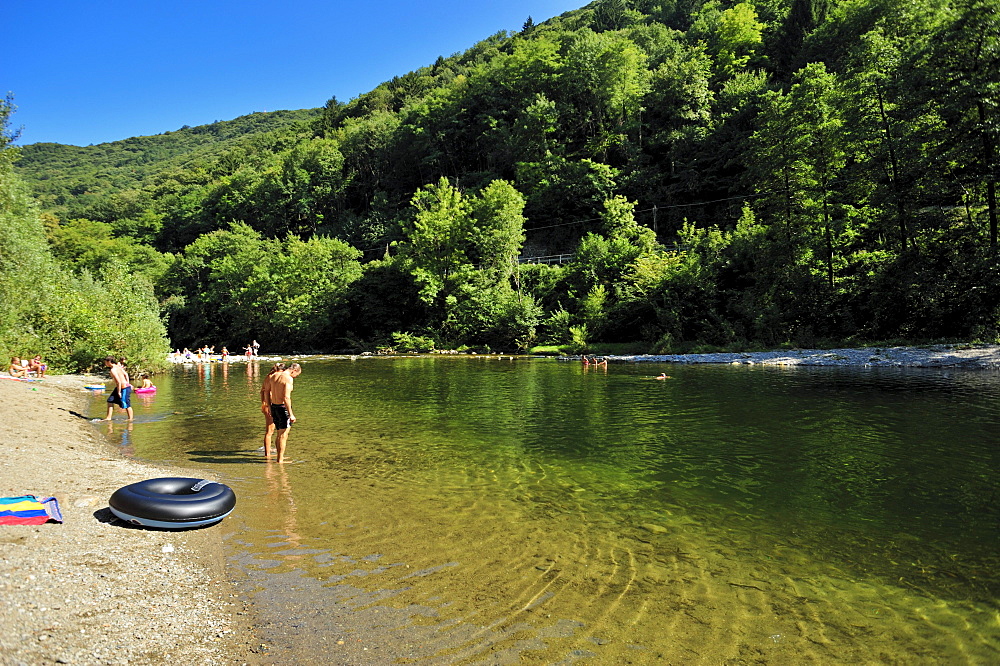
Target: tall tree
(958,74)
(815,104)
(437,240)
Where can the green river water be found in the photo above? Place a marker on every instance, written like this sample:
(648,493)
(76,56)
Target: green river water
(484,510)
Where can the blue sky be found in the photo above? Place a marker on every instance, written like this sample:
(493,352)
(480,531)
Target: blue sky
(91,72)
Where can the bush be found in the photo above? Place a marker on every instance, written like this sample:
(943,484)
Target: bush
(410,342)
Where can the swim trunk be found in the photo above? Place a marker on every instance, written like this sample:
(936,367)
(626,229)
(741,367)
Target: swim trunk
(121,398)
(279,413)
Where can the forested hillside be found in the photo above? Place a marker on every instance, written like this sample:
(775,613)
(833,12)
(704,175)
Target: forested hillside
(717,172)
(81,181)
(72,317)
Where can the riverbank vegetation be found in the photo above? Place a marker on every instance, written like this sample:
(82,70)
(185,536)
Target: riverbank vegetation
(673,173)
(71,316)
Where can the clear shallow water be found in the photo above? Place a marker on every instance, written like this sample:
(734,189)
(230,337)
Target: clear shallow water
(476,510)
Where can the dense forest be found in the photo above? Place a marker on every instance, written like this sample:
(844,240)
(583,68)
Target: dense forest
(672,173)
(72,316)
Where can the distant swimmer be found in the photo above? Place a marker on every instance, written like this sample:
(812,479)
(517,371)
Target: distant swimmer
(663,375)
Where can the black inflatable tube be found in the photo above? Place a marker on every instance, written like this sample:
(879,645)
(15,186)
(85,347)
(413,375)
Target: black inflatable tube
(174,500)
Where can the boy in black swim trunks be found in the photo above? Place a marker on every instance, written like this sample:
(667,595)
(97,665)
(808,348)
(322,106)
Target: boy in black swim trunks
(281,405)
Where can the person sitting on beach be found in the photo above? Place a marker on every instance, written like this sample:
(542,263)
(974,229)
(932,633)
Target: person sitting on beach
(36,366)
(16,369)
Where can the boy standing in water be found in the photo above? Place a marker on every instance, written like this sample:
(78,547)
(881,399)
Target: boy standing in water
(120,395)
(265,406)
(281,404)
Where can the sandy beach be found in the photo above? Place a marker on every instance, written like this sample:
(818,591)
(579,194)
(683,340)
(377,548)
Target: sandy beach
(92,590)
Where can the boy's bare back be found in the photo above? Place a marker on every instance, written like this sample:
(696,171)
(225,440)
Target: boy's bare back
(281,388)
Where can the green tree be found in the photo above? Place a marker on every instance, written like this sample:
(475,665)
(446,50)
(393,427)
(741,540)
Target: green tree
(957,72)
(876,130)
(233,285)
(814,98)
(89,245)
(737,37)
(605,79)
(559,189)
(497,232)
(307,281)
(437,241)
(800,153)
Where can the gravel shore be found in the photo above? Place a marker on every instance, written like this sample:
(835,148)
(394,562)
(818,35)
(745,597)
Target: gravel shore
(93,590)
(933,356)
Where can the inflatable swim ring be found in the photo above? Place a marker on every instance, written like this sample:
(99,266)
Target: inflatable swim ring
(94,387)
(149,389)
(173,502)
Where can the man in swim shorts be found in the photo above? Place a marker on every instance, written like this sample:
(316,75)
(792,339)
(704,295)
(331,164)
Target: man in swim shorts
(280,397)
(265,406)
(122,394)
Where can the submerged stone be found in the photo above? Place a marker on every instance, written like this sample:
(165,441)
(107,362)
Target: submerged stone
(655,529)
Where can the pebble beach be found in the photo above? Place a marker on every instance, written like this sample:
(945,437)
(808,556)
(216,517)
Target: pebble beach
(976,357)
(92,590)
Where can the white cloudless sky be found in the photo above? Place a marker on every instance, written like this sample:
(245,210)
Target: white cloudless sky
(92,72)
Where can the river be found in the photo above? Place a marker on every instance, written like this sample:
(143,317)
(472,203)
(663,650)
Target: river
(466,510)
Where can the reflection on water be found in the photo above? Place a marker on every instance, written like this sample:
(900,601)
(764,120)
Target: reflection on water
(476,510)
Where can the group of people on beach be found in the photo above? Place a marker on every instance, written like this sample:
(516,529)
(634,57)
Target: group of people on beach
(206,352)
(201,353)
(276,405)
(25,368)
